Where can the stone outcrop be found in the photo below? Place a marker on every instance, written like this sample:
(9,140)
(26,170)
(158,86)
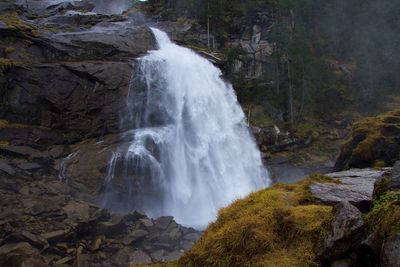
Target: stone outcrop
(72,78)
(46,224)
(355,186)
(372,141)
(391,252)
(346,232)
(67,79)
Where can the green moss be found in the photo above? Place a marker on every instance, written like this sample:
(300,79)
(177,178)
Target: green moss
(372,142)
(14,22)
(385,215)
(258,117)
(303,130)
(279,226)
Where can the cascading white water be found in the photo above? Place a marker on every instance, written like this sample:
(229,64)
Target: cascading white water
(191,152)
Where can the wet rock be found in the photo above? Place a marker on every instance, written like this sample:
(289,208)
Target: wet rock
(346,232)
(109,42)
(391,252)
(79,99)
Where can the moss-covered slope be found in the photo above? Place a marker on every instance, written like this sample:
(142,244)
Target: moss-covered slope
(279,226)
(373,141)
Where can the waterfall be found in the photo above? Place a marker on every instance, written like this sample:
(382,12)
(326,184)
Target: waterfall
(190,152)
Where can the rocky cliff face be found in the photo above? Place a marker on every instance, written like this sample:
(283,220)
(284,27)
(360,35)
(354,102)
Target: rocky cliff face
(71,72)
(65,76)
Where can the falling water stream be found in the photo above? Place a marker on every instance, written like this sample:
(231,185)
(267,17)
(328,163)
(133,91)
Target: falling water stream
(190,152)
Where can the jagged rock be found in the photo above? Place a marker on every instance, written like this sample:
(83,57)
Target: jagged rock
(163,222)
(138,234)
(5,167)
(115,226)
(80,99)
(57,236)
(391,252)
(26,236)
(20,255)
(147,223)
(346,232)
(355,186)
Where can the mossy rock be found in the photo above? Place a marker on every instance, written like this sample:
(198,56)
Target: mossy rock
(384,218)
(372,142)
(279,226)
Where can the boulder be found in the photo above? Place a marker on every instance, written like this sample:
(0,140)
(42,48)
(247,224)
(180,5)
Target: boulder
(163,222)
(111,42)
(372,141)
(389,182)
(346,232)
(390,256)
(355,186)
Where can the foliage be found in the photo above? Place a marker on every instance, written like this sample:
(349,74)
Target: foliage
(328,55)
(279,226)
(385,215)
